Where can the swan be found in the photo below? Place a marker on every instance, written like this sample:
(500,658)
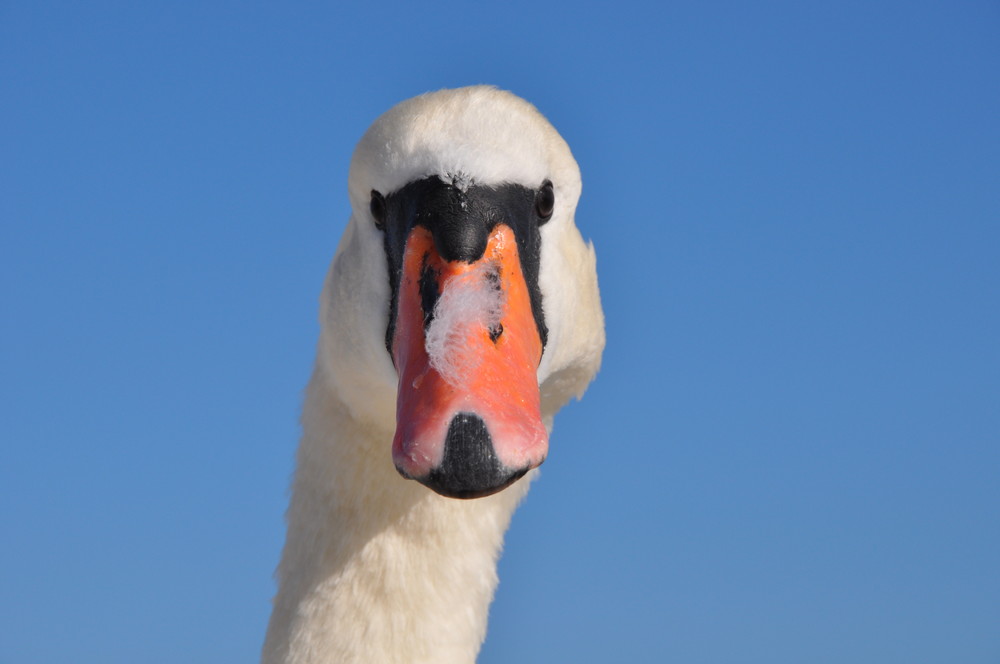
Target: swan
(460,312)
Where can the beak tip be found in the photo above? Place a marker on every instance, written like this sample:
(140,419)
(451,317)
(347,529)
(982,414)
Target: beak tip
(446,485)
(469,467)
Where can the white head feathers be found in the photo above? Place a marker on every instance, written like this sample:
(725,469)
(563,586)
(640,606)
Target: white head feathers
(480,133)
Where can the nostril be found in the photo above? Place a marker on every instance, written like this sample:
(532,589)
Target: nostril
(495,332)
(429,292)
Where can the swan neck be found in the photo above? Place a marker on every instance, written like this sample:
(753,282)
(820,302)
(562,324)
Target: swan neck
(376,567)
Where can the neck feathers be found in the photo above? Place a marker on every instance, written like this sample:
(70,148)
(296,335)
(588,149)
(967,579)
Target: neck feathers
(377,568)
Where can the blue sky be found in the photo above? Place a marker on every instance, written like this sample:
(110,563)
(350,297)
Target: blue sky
(791,453)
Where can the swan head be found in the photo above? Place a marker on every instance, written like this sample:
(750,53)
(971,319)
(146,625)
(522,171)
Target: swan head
(462,305)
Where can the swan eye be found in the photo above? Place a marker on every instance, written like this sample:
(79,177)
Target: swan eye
(545,202)
(377,207)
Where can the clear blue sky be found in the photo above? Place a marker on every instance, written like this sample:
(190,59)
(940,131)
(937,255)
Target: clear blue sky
(792,453)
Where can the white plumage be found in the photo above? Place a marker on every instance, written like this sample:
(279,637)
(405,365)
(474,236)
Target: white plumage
(378,568)
(465,302)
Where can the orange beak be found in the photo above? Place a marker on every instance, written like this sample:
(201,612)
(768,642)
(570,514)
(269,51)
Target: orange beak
(466,347)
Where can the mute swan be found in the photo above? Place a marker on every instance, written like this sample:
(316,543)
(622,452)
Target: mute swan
(461,311)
